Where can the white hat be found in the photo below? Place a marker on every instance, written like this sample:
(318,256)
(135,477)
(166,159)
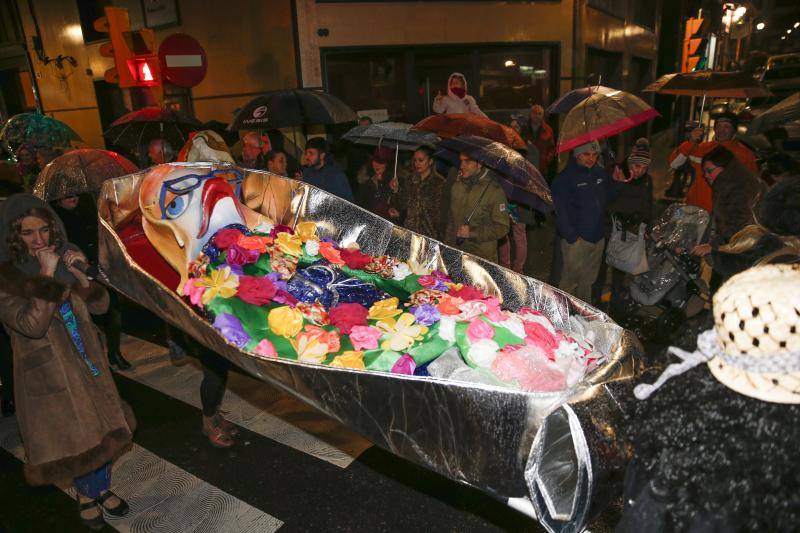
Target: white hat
(754,348)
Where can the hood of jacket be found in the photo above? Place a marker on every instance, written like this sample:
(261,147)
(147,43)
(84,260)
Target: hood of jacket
(450,80)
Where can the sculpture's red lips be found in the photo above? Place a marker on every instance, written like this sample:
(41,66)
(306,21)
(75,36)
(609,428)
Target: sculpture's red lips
(214,190)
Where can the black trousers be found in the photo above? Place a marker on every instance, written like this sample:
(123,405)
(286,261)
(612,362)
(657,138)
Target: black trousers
(6,367)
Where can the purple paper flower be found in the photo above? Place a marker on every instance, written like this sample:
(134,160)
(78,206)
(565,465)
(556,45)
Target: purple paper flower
(241,256)
(276,279)
(441,276)
(235,269)
(404,365)
(231,329)
(426,314)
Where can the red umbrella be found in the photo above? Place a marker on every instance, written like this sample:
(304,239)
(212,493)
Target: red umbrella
(454,124)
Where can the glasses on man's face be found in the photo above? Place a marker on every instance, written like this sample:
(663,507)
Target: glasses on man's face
(186,184)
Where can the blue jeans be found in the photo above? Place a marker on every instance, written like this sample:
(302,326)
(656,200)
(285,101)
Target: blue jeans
(94,483)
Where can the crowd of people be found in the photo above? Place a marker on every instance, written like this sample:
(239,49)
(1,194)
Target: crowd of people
(47,301)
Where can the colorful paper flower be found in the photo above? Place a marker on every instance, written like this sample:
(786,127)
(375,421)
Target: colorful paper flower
(355,259)
(468,292)
(425,296)
(449,305)
(365,337)
(383,266)
(346,315)
(220,282)
(384,309)
(431,282)
(531,315)
(281,228)
(401,333)
(405,365)
(493,310)
(286,266)
(253,243)
(264,227)
(199,267)
(285,321)
(265,348)
(329,252)
(255,290)
(194,292)
(538,335)
(349,359)
(401,272)
(226,237)
(314,312)
(237,255)
(312,248)
(307,231)
(231,329)
(426,314)
(314,343)
(289,244)
(470,310)
(483,352)
(479,330)
(447,328)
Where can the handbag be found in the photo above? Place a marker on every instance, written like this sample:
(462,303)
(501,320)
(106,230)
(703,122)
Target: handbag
(627,251)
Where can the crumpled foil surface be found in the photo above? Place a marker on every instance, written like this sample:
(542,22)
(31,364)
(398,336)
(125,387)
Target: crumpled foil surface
(546,454)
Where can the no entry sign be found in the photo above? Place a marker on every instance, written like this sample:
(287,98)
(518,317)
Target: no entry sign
(183,60)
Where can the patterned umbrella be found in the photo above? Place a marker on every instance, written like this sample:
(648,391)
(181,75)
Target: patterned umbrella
(78,172)
(575,97)
(390,134)
(455,124)
(520,180)
(785,111)
(37,130)
(601,116)
(141,126)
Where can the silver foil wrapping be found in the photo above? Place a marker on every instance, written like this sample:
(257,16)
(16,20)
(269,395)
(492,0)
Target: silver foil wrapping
(498,440)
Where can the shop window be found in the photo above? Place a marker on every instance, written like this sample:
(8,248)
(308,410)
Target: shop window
(513,80)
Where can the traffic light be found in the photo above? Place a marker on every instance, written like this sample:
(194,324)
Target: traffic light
(134,52)
(694,45)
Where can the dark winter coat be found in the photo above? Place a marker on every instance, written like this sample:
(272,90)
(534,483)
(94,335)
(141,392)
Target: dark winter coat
(378,197)
(734,195)
(329,178)
(581,196)
(71,422)
(634,201)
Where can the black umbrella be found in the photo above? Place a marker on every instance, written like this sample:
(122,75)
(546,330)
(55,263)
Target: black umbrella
(144,125)
(290,108)
(520,179)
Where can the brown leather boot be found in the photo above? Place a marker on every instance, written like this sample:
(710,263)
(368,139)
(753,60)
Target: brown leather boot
(226,425)
(217,436)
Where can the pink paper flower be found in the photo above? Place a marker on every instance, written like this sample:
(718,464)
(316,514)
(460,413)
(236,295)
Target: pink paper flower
(478,329)
(538,335)
(405,365)
(365,337)
(194,292)
(265,348)
(493,311)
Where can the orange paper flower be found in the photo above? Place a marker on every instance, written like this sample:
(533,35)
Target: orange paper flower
(448,305)
(253,242)
(330,253)
(306,231)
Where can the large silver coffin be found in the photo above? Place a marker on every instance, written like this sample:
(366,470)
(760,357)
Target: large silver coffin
(547,454)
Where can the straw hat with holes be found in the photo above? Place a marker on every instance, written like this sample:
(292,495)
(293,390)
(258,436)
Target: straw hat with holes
(754,347)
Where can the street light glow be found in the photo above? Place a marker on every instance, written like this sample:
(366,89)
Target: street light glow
(760,26)
(510,63)
(796,24)
(789,30)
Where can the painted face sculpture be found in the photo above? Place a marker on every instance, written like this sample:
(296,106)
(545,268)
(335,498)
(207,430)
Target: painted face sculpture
(183,207)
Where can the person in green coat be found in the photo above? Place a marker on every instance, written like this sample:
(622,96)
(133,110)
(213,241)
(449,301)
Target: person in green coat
(478,213)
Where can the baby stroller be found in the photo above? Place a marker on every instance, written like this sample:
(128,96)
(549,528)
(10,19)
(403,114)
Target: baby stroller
(661,299)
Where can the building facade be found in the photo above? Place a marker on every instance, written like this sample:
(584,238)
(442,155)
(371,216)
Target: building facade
(382,55)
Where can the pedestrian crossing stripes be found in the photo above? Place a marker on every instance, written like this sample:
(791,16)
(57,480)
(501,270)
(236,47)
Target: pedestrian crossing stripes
(266,411)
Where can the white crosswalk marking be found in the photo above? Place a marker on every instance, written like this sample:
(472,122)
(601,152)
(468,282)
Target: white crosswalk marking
(258,412)
(164,497)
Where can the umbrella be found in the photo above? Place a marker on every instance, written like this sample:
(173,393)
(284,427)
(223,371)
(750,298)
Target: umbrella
(78,172)
(575,97)
(454,124)
(601,116)
(38,130)
(289,108)
(787,110)
(709,83)
(520,180)
(390,134)
(141,126)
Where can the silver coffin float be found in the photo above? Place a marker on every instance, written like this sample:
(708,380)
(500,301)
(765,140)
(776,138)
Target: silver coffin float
(551,455)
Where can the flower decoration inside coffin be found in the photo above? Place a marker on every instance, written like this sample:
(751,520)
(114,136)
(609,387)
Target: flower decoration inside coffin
(280,292)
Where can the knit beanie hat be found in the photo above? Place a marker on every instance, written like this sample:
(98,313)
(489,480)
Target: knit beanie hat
(591,146)
(640,153)
(318,143)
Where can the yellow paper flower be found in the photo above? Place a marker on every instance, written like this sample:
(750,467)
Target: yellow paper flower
(314,343)
(349,359)
(402,332)
(289,244)
(454,286)
(220,282)
(306,231)
(285,321)
(384,309)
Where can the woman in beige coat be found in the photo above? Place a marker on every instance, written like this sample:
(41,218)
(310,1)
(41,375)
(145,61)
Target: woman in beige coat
(70,415)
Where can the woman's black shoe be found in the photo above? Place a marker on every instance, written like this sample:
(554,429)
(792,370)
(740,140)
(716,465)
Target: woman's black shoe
(8,408)
(121,509)
(118,361)
(95,523)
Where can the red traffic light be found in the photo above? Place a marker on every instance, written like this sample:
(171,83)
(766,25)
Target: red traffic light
(144,71)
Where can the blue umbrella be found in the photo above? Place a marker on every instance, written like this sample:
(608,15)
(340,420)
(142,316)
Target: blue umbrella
(520,180)
(575,97)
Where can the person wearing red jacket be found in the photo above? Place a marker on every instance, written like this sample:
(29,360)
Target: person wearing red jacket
(538,135)
(693,150)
